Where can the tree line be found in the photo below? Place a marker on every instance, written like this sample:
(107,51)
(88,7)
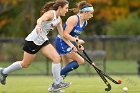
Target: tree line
(111,17)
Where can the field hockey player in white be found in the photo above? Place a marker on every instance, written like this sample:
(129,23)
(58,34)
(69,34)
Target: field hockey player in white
(38,40)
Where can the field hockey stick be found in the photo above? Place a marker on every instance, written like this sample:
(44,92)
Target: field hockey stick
(105,74)
(101,76)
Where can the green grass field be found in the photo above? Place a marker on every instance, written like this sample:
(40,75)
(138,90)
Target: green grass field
(80,84)
(111,67)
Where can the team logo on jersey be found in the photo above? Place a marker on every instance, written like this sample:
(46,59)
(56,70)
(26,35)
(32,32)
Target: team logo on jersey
(68,49)
(77,31)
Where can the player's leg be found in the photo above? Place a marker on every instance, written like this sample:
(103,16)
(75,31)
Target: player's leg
(71,61)
(50,52)
(66,61)
(27,59)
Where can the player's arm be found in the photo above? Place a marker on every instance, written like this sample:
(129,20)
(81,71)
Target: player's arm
(60,31)
(70,24)
(46,16)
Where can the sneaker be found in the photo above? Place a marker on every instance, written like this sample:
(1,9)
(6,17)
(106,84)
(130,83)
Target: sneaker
(55,91)
(57,87)
(54,88)
(65,85)
(2,77)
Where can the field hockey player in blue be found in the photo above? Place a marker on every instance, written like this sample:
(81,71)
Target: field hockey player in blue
(72,29)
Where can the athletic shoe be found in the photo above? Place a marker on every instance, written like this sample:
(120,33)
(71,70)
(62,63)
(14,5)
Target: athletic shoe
(57,87)
(65,85)
(55,91)
(2,77)
(54,88)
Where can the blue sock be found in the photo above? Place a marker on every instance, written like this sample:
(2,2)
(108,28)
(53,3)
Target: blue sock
(69,67)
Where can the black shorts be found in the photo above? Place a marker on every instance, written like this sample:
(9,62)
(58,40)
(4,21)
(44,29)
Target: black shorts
(31,48)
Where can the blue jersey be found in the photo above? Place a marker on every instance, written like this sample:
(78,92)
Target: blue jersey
(61,47)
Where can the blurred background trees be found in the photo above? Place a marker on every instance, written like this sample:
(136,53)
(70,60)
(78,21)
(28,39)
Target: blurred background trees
(111,17)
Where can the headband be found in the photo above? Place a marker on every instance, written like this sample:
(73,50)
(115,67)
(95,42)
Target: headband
(87,9)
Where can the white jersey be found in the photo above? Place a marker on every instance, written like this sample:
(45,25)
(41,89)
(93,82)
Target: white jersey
(46,26)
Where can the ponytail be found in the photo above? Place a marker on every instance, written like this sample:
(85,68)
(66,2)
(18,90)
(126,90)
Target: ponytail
(53,5)
(74,10)
(48,6)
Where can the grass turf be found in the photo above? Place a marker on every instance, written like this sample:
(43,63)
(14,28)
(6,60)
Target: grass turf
(80,84)
(111,67)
